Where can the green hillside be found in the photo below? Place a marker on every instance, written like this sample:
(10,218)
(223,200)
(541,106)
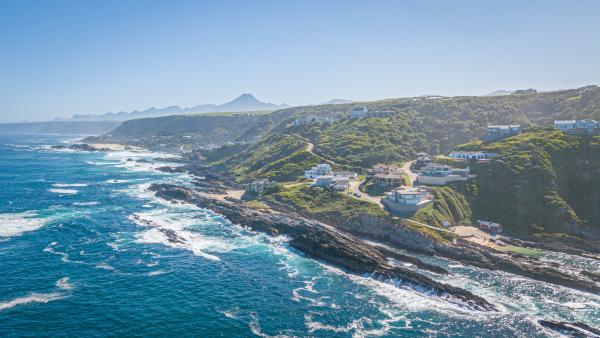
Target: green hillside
(279,157)
(542,183)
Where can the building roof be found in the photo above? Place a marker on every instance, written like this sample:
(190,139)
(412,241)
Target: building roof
(504,126)
(388,176)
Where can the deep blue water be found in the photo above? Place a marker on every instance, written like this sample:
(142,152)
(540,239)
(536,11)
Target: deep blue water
(73,262)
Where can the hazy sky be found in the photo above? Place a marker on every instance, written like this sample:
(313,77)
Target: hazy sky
(58,58)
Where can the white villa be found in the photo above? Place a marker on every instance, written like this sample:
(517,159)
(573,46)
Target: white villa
(577,126)
(471,155)
(406,200)
(442,174)
(320,170)
(359,112)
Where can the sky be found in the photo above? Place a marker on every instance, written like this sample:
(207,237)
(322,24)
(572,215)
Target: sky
(59,58)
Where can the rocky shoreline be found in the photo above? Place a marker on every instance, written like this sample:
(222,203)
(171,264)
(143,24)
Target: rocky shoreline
(324,242)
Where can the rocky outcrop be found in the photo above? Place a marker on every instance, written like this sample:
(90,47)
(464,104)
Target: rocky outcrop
(392,232)
(471,254)
(571,329)
(320,241)
(172,170)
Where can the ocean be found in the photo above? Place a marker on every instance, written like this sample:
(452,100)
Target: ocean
(81,255)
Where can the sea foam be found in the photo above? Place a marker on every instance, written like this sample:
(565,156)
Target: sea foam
(64,191)
(17,223)
(63,285)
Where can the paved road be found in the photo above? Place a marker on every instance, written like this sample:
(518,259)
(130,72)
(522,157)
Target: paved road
(354,184)
(411,175)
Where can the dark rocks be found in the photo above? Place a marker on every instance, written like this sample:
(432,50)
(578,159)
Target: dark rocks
(471,254)
(172,170)
(322,242)
(172,236)
(571,329)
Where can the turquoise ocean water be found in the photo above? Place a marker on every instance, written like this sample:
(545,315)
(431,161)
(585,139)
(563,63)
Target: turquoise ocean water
(81,255)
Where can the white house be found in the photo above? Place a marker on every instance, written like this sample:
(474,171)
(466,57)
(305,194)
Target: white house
(406,200)
(442,174)
(577,126)
(471,155)
(359,112)
(319,170)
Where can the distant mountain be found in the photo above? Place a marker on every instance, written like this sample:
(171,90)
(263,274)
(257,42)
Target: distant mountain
(247,102)
(338,101)
(500,93)
(243,103)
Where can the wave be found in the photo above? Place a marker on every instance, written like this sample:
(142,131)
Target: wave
(66,185)
(64,191)
(17,223)
(63,285)
(86,203)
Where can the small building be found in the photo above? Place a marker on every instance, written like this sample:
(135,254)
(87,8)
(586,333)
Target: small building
(384,113)
(359,112)
(422,159)
(341,184)
(325,181)
(406,200)
(442,174)
(489,226)
(498,132)
(259,187)
(381,168)
(345,174)
(320,170)
(583,127)
(310,119)
(472,155)
(388,180)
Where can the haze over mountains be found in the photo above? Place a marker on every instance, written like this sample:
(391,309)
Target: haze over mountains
(243,103)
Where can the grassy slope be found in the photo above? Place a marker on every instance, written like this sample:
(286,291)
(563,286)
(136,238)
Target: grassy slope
(543,182)
(449,205)
(337,208)
(279,158)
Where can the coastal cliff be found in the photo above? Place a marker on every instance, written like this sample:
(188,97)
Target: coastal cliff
(321,241)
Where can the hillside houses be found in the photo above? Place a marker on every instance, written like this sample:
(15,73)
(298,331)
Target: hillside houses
(320,170)
(581,127)
(472,155)
(387,175)
(498,132)
(442,174)
(363,112)
(310,119)
(324,176)
(406,200)
(359,112)
(259,187)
